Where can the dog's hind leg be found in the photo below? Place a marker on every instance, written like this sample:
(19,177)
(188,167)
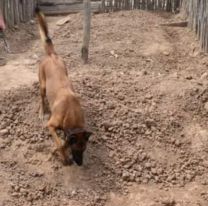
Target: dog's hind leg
(42,81)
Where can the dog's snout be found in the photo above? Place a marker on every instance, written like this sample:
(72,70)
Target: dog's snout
(79,162)
(78,158)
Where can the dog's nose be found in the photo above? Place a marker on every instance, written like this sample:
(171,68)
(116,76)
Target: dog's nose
(78,161)
(78,158)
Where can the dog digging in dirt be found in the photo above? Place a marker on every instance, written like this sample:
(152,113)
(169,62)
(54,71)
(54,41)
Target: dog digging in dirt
(64,104)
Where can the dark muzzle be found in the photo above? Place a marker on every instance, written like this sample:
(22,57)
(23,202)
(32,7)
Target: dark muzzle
(78,158)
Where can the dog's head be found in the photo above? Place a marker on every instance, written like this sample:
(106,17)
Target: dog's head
(77,140)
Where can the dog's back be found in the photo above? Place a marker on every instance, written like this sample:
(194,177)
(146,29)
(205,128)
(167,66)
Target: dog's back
(52,66)
(56,77)
(59,89)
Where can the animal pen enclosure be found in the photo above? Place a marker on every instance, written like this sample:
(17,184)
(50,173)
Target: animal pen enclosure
(17,11)
(196,12)
(145,97)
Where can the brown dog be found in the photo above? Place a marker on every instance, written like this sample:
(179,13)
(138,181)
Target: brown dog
(66,112)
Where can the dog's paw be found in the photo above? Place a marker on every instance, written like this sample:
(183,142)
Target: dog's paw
(60,152)
(41,116)
(67,162)
(50,157)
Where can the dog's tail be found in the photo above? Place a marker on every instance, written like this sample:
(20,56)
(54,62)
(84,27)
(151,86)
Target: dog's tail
(43,28)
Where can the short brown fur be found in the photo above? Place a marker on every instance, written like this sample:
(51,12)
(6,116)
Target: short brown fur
(66,111)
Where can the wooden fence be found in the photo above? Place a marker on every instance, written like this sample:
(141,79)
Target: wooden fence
(61,7)
(16,11)
(164,5)
(197,13)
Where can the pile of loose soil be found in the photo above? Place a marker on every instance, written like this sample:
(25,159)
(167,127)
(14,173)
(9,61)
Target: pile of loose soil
(145,99)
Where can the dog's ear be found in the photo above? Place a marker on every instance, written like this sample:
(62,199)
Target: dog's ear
(87,135)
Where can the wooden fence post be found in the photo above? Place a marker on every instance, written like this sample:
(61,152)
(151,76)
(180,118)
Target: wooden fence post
(197,13)
(86,30)
(16,11)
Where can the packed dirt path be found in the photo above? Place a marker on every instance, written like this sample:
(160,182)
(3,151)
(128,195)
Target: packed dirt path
(145,96)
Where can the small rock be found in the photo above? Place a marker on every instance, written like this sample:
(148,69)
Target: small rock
(173,140)
(126,176)
(145,181)
(154,171)
(204,182)
(189,177)
(111,154)
(149,123)
(111,106)
(142,156)
(16,188)
(38,174)
(15,194)
(63,21)
(177,143)
(172,177)
(23,191)
(74,192)
(32,22)
(204,75)
(168,202)
(148,96)
(16,27)
(145,72)
(133,176)
(189,77)
(112,52)
(147,165)
(98,198)
(175,75)
(166,53)
(138,180)
(148,132)
(4,132)
(103,137)
(106,126)
(206,106)
(148,60)
(121,97)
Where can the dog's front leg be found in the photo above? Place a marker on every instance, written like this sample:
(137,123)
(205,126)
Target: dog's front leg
(59,147)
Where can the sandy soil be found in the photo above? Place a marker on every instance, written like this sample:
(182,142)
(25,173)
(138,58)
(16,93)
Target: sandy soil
(146,100)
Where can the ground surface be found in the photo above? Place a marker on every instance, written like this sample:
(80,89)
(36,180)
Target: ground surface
(145,97)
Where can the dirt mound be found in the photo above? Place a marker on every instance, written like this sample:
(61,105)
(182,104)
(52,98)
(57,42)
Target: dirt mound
(144,103)
(19,38)
(28,145)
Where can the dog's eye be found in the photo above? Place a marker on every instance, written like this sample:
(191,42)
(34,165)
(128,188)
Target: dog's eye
(72,140)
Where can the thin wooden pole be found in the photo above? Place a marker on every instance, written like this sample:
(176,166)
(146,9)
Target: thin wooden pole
(86,31)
